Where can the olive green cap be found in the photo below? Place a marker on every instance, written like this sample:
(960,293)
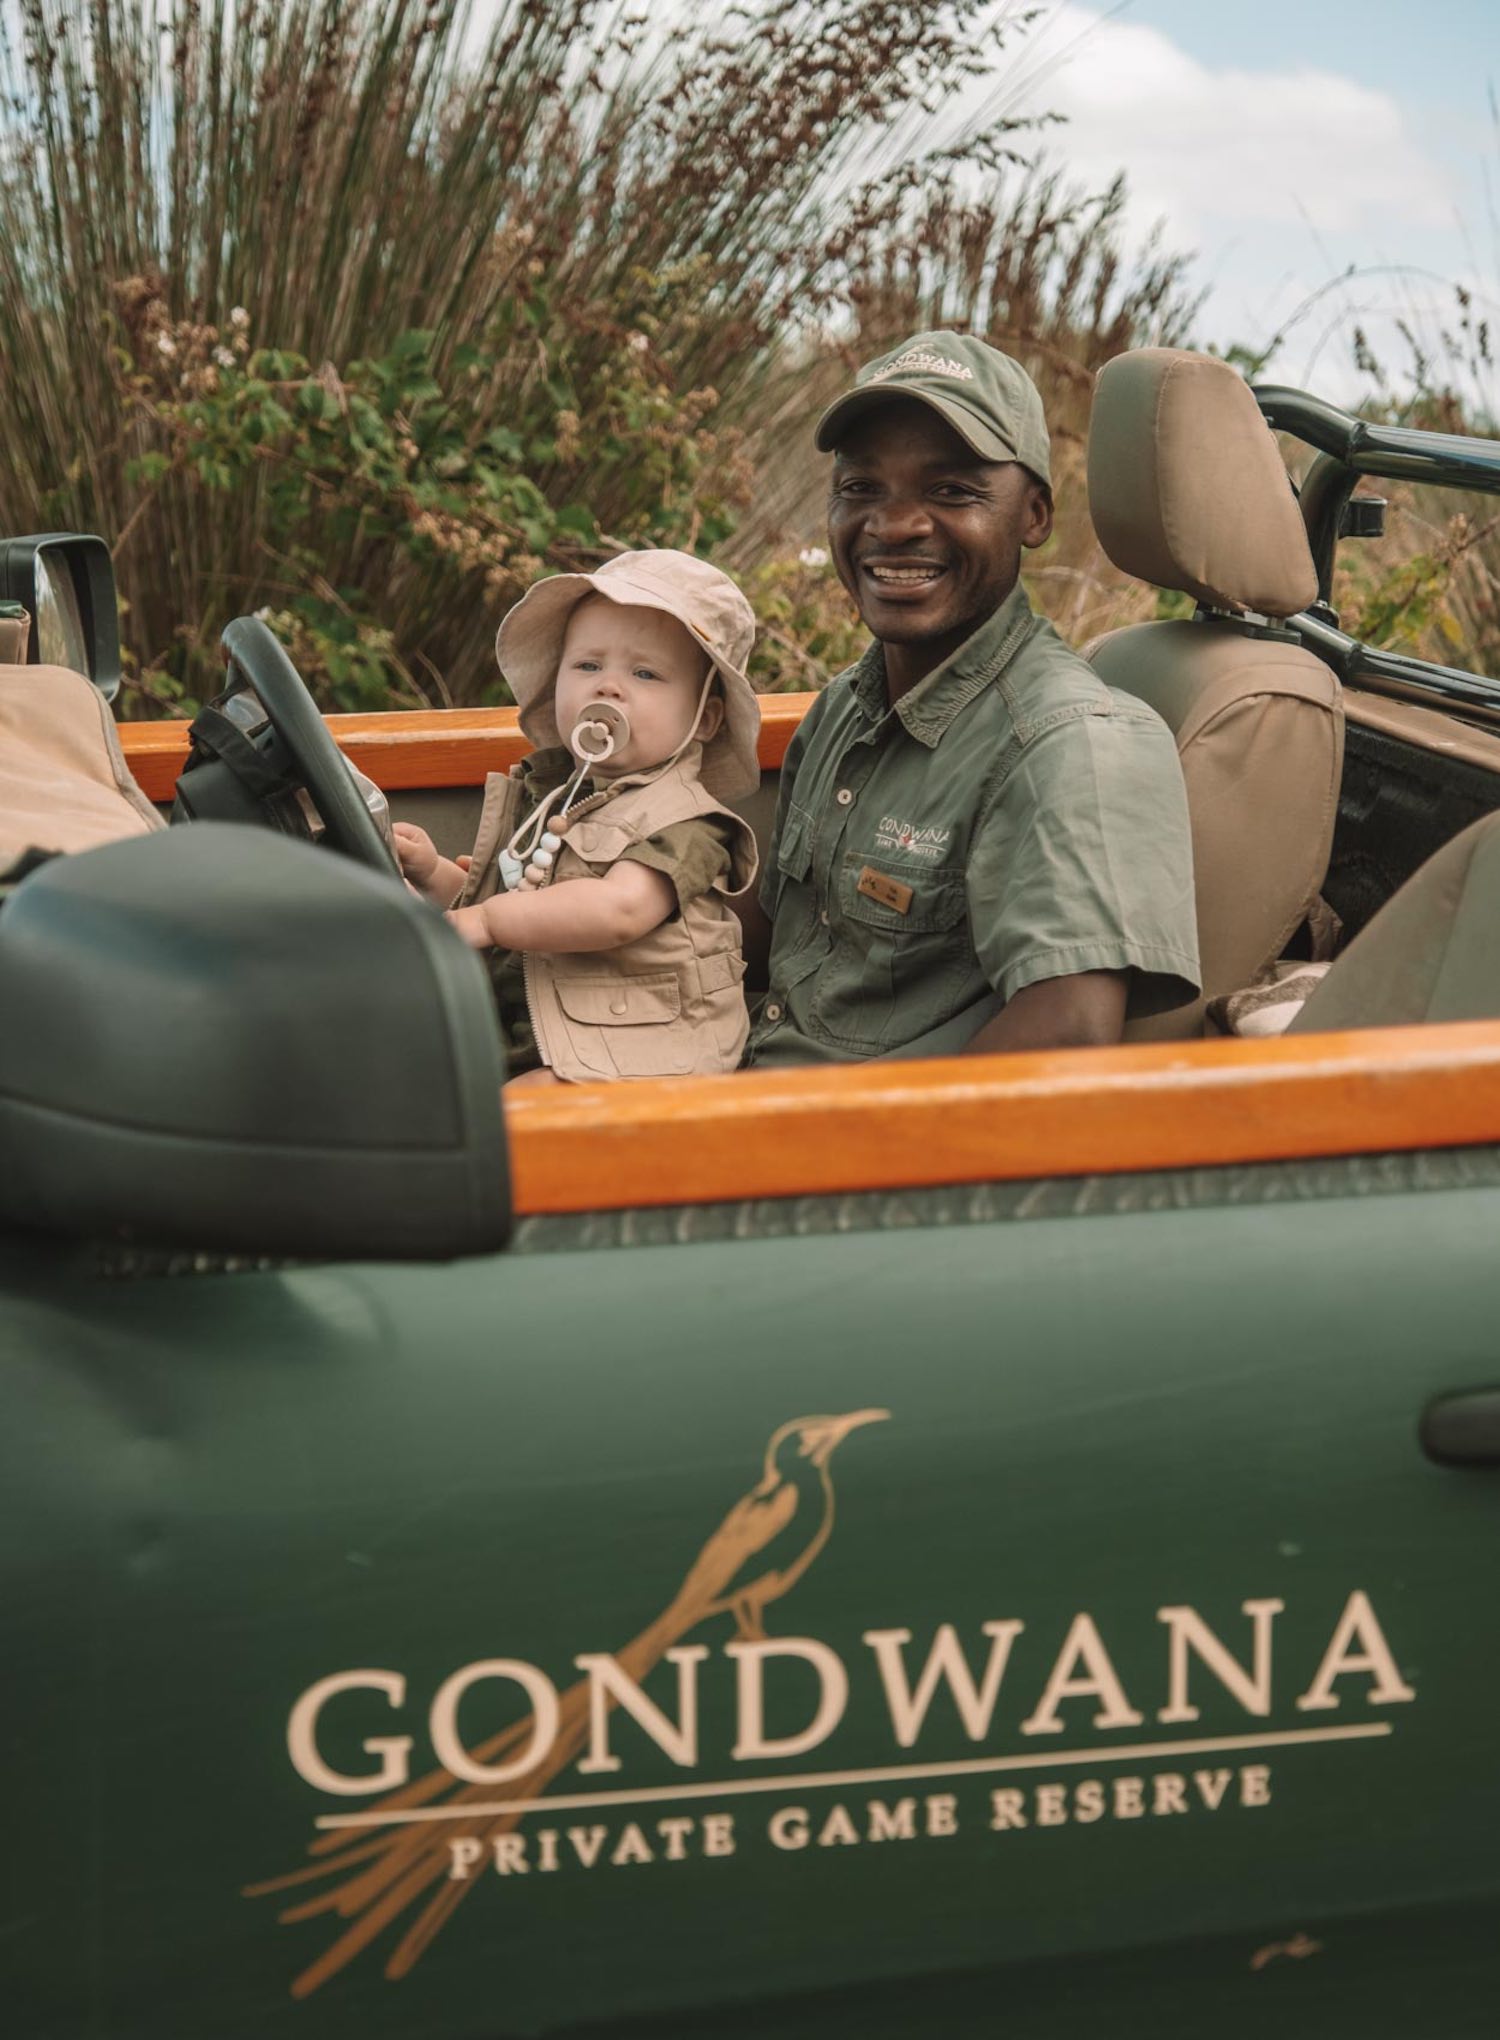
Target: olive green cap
(988,399)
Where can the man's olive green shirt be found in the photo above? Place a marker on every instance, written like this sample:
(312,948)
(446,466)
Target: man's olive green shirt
(1010,819)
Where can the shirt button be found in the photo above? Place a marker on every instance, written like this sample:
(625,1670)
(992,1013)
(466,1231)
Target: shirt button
(773,1011)
(844,797)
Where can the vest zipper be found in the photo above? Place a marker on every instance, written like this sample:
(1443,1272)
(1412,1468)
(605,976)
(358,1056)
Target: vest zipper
(536,1032)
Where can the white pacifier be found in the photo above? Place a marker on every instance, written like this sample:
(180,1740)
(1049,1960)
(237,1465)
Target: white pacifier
(601,730)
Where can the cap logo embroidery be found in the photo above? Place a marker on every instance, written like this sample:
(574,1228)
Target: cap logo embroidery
(922,361)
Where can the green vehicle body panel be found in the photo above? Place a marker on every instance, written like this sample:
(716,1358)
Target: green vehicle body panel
(220,1490)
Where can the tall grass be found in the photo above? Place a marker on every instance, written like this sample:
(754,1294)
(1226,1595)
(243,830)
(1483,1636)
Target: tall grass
(1431,585)
(351,310)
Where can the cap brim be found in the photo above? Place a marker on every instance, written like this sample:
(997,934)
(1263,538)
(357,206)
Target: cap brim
(848,410)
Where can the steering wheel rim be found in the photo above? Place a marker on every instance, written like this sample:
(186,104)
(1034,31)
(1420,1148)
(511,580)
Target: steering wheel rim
(282,692)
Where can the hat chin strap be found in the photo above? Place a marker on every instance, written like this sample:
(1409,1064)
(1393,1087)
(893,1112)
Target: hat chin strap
(692,728)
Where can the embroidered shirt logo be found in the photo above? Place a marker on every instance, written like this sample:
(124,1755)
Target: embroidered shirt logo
(922,361)
(893,834)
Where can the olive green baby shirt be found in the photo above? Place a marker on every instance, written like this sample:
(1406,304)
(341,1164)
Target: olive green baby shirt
(1010,819)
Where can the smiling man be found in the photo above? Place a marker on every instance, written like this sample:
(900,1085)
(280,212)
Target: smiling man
(978,845)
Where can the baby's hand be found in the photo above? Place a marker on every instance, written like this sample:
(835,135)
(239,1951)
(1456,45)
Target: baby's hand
(417,852)
(471,923)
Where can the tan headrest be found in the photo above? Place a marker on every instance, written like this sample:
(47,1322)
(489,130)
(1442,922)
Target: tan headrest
(1187,489)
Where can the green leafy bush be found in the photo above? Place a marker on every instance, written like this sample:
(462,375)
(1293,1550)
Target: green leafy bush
(343,311)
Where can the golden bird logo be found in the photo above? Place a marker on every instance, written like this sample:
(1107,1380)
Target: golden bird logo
(756,1556)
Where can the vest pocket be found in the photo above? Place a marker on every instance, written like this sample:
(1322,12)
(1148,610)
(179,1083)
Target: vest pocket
(621,1001)
(639,1021)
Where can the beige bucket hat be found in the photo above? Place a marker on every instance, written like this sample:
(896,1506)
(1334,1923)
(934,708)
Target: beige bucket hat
(704,600)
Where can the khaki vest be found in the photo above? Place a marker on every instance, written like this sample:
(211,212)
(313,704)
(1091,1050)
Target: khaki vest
(669,1005)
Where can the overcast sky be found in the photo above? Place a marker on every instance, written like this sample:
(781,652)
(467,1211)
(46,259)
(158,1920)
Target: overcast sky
(1285,143)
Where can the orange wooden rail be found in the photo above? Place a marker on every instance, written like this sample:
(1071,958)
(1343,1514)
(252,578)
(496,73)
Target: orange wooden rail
(886,1126)
(421,747)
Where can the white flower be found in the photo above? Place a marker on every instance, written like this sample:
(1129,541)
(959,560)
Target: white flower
(239,317)
(224,357)
(813,556)
(638,343)
(165,344)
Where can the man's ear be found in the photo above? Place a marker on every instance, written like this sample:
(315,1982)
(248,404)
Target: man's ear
(711,721)
(1037,528)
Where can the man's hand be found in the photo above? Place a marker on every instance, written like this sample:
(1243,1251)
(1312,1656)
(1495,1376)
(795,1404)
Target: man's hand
(1083,1011)
(573,917)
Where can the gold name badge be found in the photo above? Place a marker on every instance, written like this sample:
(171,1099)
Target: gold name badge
(888,892)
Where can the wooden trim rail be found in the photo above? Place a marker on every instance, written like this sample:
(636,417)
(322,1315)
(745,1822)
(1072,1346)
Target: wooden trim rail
(890,1126)
(420,748)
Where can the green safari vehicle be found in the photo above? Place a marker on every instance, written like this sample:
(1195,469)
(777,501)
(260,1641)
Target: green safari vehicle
(937,1547)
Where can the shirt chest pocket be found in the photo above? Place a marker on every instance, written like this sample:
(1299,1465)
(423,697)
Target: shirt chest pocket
(791,868)
(936,905)
(794,846)
(893,974)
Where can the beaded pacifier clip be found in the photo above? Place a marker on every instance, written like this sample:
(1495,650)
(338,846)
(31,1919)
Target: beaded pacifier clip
(601,730)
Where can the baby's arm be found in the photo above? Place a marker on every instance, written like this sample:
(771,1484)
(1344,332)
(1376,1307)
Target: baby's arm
(580,914)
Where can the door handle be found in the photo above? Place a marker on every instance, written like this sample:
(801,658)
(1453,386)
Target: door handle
(1462,1429)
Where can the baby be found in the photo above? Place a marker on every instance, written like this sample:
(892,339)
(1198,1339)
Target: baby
(637,972)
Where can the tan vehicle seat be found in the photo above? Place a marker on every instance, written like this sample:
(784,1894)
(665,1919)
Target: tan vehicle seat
(64,783)
(1431,953)
(1188,491)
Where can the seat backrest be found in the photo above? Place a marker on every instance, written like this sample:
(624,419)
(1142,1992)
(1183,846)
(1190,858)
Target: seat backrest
(64,784)
(1188,491)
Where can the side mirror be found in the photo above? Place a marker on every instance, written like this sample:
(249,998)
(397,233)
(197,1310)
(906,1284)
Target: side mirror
(218,1038)
(66,584)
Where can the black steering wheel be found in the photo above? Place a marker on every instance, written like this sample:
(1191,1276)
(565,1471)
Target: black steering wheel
(270,756)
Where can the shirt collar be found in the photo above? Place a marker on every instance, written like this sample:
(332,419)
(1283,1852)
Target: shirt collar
(929,708)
